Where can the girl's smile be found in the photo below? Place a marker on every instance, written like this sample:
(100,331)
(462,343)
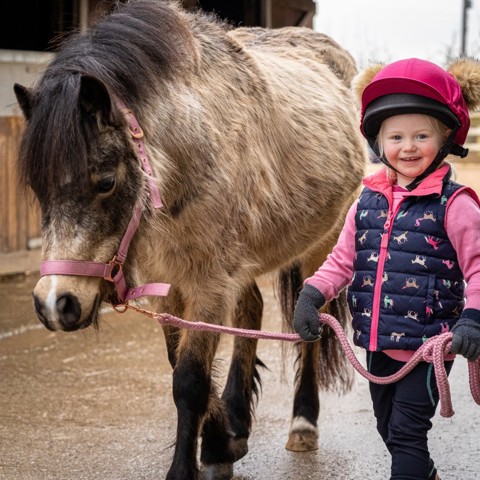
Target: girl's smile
(410,143)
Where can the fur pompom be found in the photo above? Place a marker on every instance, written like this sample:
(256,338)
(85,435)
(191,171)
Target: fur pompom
(362,79)
(467,73)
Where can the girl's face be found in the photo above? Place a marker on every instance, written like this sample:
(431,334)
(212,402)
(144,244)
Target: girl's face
(410,143)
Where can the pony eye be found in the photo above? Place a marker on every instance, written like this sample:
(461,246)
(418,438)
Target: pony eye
(106,184)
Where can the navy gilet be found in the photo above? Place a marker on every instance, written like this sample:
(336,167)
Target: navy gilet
(419,291)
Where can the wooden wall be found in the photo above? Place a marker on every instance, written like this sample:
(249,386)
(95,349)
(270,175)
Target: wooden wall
(19,212)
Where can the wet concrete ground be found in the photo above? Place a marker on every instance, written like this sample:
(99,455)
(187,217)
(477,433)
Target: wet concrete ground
(98,406)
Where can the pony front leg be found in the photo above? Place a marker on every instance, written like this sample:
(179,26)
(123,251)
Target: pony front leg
(192,394)
(217,456)
(227,426)
(243,382)
(191,388)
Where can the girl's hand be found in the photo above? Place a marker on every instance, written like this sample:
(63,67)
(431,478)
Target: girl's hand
(466,335)
(305,318)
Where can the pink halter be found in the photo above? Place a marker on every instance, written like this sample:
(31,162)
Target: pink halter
(113,270)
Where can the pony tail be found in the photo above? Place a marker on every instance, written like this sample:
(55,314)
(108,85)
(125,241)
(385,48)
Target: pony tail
(333,370)
(290,282)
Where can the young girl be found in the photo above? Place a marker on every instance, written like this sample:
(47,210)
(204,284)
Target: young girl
(408,245)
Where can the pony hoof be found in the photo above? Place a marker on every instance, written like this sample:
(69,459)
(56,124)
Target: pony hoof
(239,447)
(217,471)
(303,436)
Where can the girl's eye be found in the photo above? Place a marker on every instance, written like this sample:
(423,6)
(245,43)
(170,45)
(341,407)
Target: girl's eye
(106,184)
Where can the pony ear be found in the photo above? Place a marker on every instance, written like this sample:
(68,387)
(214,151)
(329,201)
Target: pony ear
(95,99)
(362,79)
(24,99)
(467,73)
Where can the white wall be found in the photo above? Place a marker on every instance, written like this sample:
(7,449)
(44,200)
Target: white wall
(17,66)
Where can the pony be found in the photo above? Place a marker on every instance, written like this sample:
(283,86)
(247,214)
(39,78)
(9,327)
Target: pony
(237,153)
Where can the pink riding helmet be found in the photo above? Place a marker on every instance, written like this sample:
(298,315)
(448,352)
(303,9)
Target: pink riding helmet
(414,86)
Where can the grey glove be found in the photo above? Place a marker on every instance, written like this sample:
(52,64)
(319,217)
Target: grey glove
(305,317)
(466,335)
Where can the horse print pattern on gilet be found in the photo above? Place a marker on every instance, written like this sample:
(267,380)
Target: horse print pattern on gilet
(421,286)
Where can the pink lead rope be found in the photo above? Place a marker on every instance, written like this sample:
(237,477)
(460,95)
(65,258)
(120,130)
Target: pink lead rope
(432,351)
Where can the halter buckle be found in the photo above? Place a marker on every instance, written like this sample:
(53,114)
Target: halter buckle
(135,129)
(115,267)
(136,132)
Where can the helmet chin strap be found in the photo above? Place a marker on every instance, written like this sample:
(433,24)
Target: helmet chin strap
(448,147)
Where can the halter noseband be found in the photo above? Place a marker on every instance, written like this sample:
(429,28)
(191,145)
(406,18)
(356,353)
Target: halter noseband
(113,270)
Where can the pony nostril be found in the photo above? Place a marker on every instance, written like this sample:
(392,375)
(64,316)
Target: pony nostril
(69,310)
(39,309)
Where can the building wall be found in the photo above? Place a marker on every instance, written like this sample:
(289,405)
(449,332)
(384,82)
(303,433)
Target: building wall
(19,213)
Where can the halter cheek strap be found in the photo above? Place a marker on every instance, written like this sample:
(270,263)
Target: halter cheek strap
(137,137)
(113,270)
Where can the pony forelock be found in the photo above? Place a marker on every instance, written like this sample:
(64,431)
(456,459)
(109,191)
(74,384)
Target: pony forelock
(129,54)
(56,111)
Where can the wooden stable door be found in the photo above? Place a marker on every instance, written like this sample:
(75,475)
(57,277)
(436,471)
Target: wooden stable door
(19,212)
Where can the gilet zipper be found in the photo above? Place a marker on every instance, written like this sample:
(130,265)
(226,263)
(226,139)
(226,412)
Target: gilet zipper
(382,257)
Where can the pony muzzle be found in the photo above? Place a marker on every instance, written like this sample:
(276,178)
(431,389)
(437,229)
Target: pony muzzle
(60,304)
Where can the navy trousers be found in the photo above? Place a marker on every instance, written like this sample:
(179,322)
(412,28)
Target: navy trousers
(404,411)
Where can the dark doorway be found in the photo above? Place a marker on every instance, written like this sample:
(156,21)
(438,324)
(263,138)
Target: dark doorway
(38,24)
(237,13)
(32,24)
